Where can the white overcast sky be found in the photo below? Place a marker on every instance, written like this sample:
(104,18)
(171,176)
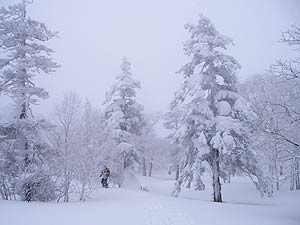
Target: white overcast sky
(96,34)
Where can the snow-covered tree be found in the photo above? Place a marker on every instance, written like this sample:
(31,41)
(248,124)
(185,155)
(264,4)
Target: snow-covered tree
(124,117)
(213,126)
(26,147)
(25,57)
(148,145)
(89,152)
(275,101)
(67,117)
(83,147)
(155,152)
(289,69)
(176,153)
(26,155)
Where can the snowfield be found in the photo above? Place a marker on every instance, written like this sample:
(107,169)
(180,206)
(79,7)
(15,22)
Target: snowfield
(131,206)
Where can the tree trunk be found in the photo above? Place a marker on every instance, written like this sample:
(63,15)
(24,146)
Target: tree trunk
(82,198)
(66,187)
(170,169)
(144,169)
(66,193)
(125,160)
(275,167)
(177,172)
(292,181)
(190,179)
(216,175)
(276,174)
(177,187)
(271,172)
(199,185)
(297,175)
(5,193)
(150,167)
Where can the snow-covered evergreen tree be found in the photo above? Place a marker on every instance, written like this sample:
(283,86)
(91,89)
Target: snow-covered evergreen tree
(124,117)
(25,56)
(27,150)
(213,125)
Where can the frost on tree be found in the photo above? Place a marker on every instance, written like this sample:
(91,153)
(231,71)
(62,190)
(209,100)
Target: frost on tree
(124,117)
(91,150)
(176,155)
(275,99)
(24,145)
(213,123)
(82,148)
(67,137)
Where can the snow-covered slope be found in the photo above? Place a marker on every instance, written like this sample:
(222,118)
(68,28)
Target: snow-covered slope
(124,206)
(130,181)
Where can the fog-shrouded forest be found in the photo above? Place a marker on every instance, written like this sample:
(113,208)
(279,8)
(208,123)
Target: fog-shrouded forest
(172,132)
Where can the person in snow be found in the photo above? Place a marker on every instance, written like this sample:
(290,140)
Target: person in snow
(104,177)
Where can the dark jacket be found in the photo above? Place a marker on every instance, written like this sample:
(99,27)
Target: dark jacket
(105,173)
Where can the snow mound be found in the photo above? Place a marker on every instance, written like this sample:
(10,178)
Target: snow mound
(6,114)
(131,181)
(223,108)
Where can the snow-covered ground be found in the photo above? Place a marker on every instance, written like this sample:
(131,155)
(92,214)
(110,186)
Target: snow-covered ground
(131,206)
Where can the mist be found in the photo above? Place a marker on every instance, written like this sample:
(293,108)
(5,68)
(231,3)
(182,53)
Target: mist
(95,35)
(149,112)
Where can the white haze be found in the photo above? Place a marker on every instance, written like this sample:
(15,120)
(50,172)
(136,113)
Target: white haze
(95,35)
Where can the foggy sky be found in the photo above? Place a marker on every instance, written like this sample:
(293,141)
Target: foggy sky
(96,34)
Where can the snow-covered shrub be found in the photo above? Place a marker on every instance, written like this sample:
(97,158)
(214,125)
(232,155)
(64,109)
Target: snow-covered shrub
(37,187)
